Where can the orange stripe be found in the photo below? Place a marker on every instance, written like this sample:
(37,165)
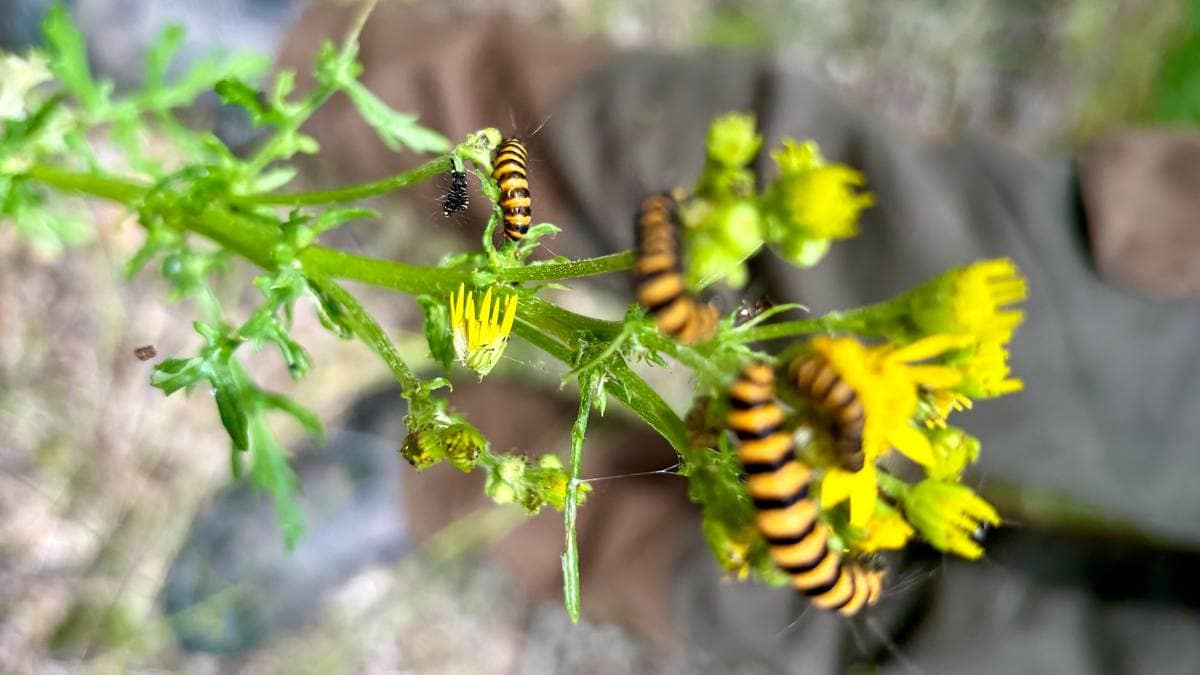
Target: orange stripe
(789,522)
(779,485)
(757,419)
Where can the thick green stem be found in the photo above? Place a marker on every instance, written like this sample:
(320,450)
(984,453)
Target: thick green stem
(97,185)
(570,557)
(351,193)
(550,271)
(365,327)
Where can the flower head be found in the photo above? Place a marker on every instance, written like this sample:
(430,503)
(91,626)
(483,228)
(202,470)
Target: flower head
(973,300)
(811,199)
(885,531)
(950,516)
(480,337)
(986,370)
(886,381)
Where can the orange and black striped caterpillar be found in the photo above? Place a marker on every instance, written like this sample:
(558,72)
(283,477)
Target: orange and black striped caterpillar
(658,281)
(786,516)
(457,198)
(508,169)
(836,402)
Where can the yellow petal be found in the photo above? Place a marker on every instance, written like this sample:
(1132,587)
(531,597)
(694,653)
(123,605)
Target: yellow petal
(863,495)
(929,347)
(913,444)
(835,487)
(935,377)
(510,314)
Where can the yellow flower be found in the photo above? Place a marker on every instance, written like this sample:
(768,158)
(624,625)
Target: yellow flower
(885,531)
(986,371)
(886,380)
(974,300)
(822,202)
(480,338)
(949,516)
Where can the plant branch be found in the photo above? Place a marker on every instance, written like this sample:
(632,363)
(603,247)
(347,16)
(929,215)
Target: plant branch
(350,193)
(574,269)
(570,557)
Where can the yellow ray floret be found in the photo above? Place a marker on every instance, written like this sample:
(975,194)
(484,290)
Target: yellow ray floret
(481,336)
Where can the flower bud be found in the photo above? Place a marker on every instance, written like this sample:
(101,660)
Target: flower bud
(948,515)
(732,140)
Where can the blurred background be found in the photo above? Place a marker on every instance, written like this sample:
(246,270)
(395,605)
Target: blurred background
(104,565)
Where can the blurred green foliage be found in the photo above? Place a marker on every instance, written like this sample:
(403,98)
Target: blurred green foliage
(1175,94)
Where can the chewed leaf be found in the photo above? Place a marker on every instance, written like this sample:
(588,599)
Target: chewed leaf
(393,128)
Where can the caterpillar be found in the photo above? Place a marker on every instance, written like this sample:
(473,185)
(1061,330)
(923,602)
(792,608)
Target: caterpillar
(457,198)
(508,169)
(837,402)
(658,283)
(786,516)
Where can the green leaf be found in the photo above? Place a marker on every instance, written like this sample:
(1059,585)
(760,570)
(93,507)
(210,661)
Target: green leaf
(271,472)
(231,404)
(235,92)
(393,128)
(174,374)
(69,59)
(334,217)
(331,314)
(160,54)
(274,179)
(437,330)
(307,418)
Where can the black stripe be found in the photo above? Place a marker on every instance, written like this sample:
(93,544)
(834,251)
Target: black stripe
(744,404)
(791,539)
(825,588)
(755,434)
(769,504)
(819,396)
(516,211)
(755,468)
(658,308)
(640,278)
(853,589)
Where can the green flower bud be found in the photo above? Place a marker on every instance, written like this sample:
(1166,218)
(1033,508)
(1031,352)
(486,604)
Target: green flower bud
(801,251)
(949,516)
(500,492)
(797,157)
(953,451)
(511,469)
(463,443)
(416,455)
(732,141)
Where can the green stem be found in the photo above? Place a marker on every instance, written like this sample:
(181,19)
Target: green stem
(365,327)
(351,193)
(570,556)
(107,187)
(892,486)
(550,271)
(700,364)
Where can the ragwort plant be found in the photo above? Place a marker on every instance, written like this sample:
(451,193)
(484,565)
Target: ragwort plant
(912,361)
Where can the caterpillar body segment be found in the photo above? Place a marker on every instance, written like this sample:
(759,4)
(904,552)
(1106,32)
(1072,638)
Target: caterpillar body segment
(785,514)
(511,176)
(836,402)
(658,277)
